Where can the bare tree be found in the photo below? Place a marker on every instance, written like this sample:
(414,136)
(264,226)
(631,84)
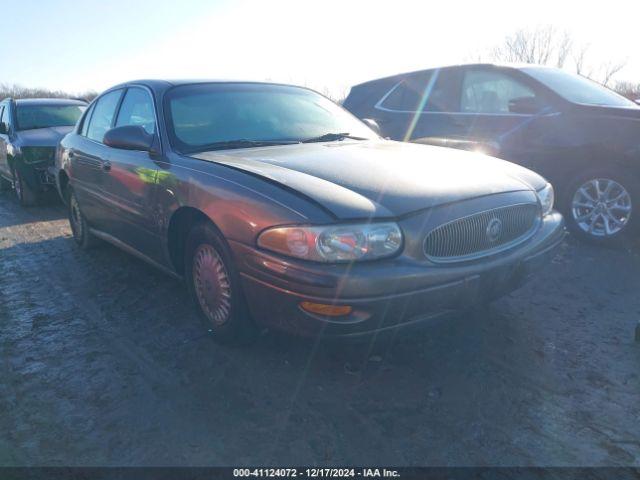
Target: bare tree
(564,48)
(579,59)
(543,46)
(547,46)
(17,91)
(628,89)
(608,71)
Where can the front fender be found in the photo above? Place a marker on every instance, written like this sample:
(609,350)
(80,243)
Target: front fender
(239,204)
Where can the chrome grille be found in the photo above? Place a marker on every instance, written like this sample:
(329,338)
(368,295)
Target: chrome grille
(482,234)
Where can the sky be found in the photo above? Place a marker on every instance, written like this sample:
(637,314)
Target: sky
(328,45)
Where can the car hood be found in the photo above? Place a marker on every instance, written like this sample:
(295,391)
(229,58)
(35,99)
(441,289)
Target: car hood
(42,137)
(367,179)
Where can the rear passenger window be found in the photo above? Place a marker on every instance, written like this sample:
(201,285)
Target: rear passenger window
(430,91)
(137,109)
(102,117)
(407,95)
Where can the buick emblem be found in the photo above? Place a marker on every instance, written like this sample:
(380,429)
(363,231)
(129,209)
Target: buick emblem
(494,229)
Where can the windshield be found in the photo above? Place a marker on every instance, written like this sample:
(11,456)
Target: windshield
(206,114)
(30,117)
(578,89)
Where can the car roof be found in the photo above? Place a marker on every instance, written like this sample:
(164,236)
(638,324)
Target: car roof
(516,66)
(49,101)
(159,85)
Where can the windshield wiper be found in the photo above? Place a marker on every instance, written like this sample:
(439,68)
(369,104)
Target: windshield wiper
(332,137)
(239,143)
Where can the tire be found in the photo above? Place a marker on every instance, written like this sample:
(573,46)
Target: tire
(603,206)
(78,222)
(25,194)
(214,286)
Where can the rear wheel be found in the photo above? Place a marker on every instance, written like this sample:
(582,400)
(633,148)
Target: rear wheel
(600,205)
(79,227)
(214,285)
(25,194)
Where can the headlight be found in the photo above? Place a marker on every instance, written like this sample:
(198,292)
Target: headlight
(334,243)
(546,199)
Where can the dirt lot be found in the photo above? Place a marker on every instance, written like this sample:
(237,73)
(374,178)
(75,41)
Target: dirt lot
(104,363)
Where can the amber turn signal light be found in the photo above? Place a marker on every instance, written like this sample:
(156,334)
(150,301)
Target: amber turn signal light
(326,310)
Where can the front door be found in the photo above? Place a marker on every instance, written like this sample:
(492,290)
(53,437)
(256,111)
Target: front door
(496,112)
(129,183)
(89,159)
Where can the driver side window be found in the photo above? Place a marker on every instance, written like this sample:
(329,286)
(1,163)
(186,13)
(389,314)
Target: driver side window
(137,109)
(493,92)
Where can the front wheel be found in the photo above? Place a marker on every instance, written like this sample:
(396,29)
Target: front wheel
(25,194)
(214,285)
(599,205)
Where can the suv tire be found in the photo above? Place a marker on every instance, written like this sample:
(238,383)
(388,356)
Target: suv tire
(25,194)
(602,206)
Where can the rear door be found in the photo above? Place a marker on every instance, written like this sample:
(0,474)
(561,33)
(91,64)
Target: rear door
(89,159)
(129,183)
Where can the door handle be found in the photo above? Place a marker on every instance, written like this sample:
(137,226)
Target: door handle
(106,165)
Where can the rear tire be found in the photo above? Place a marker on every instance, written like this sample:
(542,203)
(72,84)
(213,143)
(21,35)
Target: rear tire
(602,206)
(214,286)
(25,194)
(78,222)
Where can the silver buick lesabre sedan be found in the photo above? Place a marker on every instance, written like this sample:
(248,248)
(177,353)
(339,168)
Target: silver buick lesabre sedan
(277,207)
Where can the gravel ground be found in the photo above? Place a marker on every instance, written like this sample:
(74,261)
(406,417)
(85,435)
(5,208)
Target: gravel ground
(103,362)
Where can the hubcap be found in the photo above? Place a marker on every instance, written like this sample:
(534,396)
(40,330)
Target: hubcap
(601,207)
(76,217)
(212,284)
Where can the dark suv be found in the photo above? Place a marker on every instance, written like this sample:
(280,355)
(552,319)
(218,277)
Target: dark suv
(30,130)
(581,136)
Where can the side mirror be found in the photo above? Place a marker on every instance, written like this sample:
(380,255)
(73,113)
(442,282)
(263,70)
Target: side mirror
(526,105)
(3,129)
(372,124)
(129,137)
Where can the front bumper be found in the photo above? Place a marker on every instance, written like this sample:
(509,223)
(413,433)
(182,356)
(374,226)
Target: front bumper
(39,176)
(385,294)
